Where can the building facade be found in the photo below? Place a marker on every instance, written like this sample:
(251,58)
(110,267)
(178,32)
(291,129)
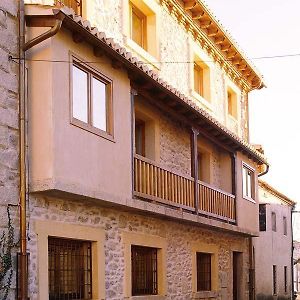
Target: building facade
(273,247)
(141,180)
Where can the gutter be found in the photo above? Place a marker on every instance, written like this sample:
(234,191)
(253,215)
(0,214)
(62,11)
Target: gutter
(55,25)
(265,171)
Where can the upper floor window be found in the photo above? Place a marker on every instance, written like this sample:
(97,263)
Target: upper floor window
(140,137)
(284,226)
(144,270)
(232,103)
(273,217)
(274,280)
(70,269)
(138,27)
(201,79)
(285,270)
(76,5)
(203,271)
(204,165)
(262,217)
(248,182)
(91,99)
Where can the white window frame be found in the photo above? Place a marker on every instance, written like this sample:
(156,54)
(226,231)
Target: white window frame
(245,196)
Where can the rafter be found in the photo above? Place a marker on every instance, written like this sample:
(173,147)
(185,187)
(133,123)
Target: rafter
(190,4)
(205,24)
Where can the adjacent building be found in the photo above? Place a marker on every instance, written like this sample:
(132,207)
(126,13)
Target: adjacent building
(142,183)
(273,248)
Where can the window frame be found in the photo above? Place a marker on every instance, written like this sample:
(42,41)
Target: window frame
(145,240)
(93,73)
(208,273)
(274,277)
(232,105)
(274,221)
(284,221)
(96,236)
(285,275)
(253,189)
(143,17)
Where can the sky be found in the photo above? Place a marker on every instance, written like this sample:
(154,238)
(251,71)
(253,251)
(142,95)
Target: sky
(271,28)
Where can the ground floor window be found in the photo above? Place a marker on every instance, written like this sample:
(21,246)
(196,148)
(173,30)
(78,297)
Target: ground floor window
(203,271)
(69,269)
(144,270)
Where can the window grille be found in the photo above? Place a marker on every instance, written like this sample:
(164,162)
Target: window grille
(262,217)
(75,4)
(203,271)
(70,269)
(144,270)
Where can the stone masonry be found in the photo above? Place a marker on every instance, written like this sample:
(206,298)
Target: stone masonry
(179,237)
(8,117)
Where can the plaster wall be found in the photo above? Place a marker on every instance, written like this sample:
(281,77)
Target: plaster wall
(180,240)
(174,54)
(273,248)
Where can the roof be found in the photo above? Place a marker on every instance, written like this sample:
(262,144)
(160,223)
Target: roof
(172,97)
(276,193)
(210,29)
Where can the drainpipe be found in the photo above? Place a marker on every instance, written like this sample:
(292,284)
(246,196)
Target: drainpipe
(23,270)
(292,256)
(265,171)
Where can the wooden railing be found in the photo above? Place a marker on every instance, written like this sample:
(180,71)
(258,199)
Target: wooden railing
(153,182)
(215,202)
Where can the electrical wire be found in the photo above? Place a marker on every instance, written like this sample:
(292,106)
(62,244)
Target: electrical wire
(15,59)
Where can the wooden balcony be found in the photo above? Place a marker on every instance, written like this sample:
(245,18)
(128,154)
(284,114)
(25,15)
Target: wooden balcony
(155,183)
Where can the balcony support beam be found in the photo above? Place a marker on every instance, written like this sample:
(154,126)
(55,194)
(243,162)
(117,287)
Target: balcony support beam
(195,171)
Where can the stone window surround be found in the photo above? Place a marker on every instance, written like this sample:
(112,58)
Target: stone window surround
(148,8)
(44,229)
(198,54)
(214,251)
(145,240)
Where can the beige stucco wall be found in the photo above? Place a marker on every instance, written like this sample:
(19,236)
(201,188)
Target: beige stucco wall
(174,44)
(273,248)
(180,240)
(57,156)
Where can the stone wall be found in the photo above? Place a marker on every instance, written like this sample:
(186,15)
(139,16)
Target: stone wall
(179,238)
(8,118)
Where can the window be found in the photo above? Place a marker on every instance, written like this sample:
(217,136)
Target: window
(138,27)
(204,166)
(203,271)
(274,280)
(273,217)
(140,137)
(285,279)
(248,182)
(91,99)
(76,5)
(198,79)
(70,269)
(232,103)
(56,241)
(262,217)
(284,226)
(144,270)
(201,85)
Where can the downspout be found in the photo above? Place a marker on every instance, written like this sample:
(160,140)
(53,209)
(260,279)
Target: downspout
(23,282)
(292,256)
(265,171)
(23,275)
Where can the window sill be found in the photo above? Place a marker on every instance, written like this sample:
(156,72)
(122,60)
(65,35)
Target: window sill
(205,295)
(93,130)
(154,297)
(249,199)
(202,100)
(150,59)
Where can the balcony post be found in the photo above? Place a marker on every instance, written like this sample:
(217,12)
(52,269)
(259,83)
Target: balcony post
(233,173)
(194,161)
(133,93)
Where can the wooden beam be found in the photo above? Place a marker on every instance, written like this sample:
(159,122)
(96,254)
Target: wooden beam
(205,24)
(225,47)
(242,67)
(116,64)
(197,15)
(236,60)
(231,54)
(212,32)
(194,161)
(190,4)
(219,40)
(98,52)
(77,37)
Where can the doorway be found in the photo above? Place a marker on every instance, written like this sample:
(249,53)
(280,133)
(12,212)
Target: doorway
(237,276)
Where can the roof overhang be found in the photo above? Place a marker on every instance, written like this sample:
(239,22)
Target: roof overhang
(149,83)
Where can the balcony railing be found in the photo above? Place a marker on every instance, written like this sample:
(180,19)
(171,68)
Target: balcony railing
(153,182)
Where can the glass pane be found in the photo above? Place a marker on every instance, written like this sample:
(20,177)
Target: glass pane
(99,104)
(244,182)
(80,94)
